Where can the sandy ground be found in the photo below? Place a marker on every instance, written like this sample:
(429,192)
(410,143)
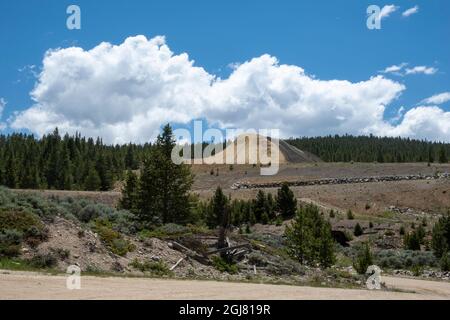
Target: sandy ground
(26,285)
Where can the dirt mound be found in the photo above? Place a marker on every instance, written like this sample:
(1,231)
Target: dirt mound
(257,149)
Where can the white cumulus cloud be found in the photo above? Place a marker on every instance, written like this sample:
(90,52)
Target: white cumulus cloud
(410,11)
(125,92)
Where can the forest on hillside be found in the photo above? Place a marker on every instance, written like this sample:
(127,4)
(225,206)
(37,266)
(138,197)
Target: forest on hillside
(65,162)
(348,148)
(73,162)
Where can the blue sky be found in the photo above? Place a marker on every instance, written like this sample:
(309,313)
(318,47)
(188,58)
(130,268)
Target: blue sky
(328,39)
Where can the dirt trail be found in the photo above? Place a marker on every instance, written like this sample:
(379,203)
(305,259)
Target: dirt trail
(26,285)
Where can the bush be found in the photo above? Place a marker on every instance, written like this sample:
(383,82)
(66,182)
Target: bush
(60,253)
(112,238)
(43,261)
(223,266)
(445,262)
(27,224)
(404,259)
(350,215)
(441,236)
(332,214)
(10,243)
(357,231)
(363,259)
(158,268)
(414,239)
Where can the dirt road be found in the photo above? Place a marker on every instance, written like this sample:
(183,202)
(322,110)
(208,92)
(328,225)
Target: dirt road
(25,285)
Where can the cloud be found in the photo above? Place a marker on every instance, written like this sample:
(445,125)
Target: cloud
(2,106)
(387,10)
(395,69)
(421,69)
(410,11)
(126,92)
(401,70)
(438,98)
(422,122)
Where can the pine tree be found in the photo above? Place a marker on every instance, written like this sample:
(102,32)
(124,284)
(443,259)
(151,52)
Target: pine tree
(430,154)
(309,238)
(11,174)
(93,181)
(219,209)
(130,192)
(165,186)
(270,207)
(443,155)
(327,255)
(260,205)
(286,202)
(440,241)
(363,259)
(357,230)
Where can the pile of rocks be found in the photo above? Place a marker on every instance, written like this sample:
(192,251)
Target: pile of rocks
(442,275)
(301,183)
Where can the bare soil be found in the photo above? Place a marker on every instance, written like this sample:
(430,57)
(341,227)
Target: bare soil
(24,285)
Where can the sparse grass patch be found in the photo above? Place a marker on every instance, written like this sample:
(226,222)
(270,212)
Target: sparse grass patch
(223,266)
(113,239)
(157,268)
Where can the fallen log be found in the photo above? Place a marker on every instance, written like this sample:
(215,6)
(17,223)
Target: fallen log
(176,264)
(229,249)
(190,253)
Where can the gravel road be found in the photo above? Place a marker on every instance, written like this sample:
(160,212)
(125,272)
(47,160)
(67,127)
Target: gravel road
(26,285)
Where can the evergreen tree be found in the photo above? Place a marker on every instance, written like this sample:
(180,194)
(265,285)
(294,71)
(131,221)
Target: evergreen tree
(357,230)
(260,205)
(93,181)
(440,241)
(219,209)
(309,238)
(165,186)
(11,175)
(327,255)
(130,192)
(443,155)
(363,259)
(286,202)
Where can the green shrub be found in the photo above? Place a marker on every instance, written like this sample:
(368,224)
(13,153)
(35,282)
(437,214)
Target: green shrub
(158,268)
(363,259)
(445,262)
(10,243)
(43,261)
(357,231)
(113,239)
(441,236)
(223,266)
(404,259)
(60,253)
(27,224)
(350,215)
